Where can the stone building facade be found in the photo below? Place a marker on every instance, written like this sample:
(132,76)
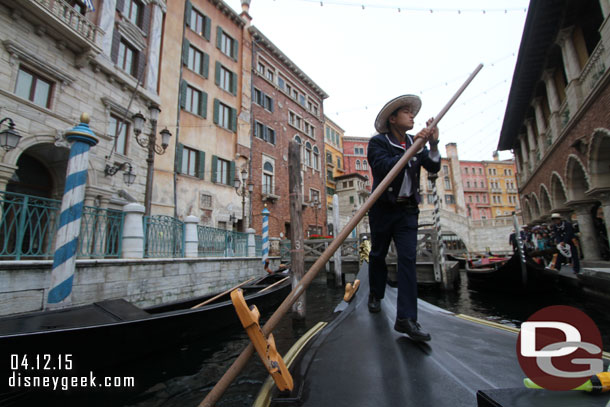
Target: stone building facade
(58,62)
(286,106)
(557,120)
(206,77)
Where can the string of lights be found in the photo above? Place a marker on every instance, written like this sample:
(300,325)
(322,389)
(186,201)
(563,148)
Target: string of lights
(402,8)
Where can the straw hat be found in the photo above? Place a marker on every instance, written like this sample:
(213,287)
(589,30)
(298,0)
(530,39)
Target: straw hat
(555,216)
(381,122)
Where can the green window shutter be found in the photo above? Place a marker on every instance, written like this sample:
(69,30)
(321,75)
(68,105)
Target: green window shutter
(214,167)
(185,51)
(188,8)
(231,173)
(208,27)
(233,83)
(200,164)
(271,105)
(206,65)
(234,119)
(178,160)
(183,94)
(203,105)
(234,49)
(216,109)
(217,74)
(218,36)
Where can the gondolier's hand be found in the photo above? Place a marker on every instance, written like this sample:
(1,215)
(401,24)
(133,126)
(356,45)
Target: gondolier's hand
(433,140)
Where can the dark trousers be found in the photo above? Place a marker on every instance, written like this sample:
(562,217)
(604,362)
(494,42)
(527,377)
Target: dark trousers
(398,223)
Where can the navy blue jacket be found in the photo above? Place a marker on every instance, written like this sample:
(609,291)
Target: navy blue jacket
(384,152)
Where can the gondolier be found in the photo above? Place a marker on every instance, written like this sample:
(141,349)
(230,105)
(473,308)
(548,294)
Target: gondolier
(565,238)
(394,216)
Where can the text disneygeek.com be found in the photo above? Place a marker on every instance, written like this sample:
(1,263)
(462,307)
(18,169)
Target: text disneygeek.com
(18,380)
(33,371)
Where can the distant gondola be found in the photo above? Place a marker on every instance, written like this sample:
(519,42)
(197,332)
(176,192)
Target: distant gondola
(507,276)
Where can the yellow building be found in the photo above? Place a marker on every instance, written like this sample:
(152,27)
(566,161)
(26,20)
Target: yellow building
(335,166)
(502,186)
(333,148)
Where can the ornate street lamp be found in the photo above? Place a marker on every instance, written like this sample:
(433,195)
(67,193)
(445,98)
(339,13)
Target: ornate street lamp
(9,138)
(129,176)
(150,143)
(242,190)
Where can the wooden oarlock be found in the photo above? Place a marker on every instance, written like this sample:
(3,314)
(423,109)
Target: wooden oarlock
(241,361)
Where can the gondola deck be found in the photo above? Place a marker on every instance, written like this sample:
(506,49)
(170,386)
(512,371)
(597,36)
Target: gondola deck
(359,360)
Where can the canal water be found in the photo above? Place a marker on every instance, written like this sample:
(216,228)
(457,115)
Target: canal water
(182,377)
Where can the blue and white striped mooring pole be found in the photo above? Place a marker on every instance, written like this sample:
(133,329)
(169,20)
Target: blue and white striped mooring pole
(265,234)
(66,242)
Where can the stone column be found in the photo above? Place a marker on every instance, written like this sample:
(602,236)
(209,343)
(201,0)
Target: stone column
(572,67)
(531,140)
(133,232)
(588,239)
(524,156)
(6,172)
(540,125)
(553,99)
(251,242)
(107,24)
(154,45)
(604,199)
(191,237)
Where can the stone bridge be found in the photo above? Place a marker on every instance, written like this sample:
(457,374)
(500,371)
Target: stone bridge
(477,235)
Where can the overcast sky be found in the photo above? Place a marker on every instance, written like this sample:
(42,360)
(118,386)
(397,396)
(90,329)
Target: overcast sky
(364,53)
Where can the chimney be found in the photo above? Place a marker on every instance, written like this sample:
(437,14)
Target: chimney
(496,155)
(245,11)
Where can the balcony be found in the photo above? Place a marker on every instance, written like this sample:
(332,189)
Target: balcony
(60,20)
(593,70)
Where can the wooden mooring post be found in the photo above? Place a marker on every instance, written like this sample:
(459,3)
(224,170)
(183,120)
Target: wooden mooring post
(297,250)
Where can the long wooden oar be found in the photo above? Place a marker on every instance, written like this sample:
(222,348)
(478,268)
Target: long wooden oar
(274,284)
(296,292)
(209,300)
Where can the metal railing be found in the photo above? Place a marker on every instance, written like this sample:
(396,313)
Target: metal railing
(66,13)
(221,243)
(28,225)
(163,236)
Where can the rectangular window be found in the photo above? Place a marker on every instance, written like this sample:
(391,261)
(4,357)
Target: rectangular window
(223,172)
(200,24)
(445,169)
(449,199)
(127,58)
(33,88)
(227,44)
(189,161)
(224,116)
(269,75)
(196,61)
(193,100)
(267,184)
(261,68)
(314,195)
(133,11)
(281,82)
(118,129)
(258,97)
(268,103)
(226,78)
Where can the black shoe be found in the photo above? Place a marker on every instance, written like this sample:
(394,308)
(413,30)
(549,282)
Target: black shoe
(374,304)
(411,328)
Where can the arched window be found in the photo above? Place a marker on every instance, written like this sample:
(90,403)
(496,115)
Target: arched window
(365,165)
(268,178)
(308,154)
(297,138)
(316,158)
(357,164)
